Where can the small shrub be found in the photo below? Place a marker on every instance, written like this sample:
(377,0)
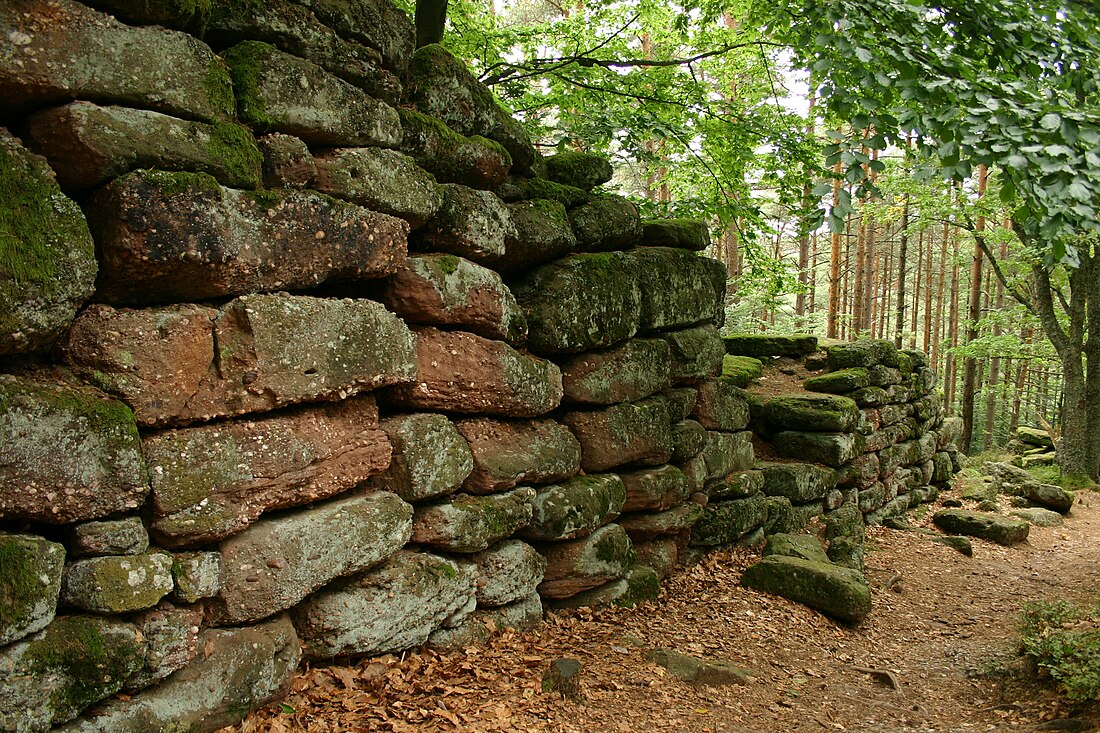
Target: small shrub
(1063,641)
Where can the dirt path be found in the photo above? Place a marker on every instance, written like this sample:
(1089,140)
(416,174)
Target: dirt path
(945,631)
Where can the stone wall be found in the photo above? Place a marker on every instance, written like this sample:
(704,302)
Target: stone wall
(305,350)
(847,424)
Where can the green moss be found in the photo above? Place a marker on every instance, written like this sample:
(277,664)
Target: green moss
(234,147)
(265,199)
(567,196)
(20,586)
(448,264)
(741,370)
(219,89)
(643,584)
(844,380)
(174,183)
(103,416)
(246,62)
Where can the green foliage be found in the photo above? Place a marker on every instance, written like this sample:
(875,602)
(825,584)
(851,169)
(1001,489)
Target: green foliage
(1011,85)
(1063,640)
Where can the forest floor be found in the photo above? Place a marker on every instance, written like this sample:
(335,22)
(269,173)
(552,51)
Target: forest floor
(943,629)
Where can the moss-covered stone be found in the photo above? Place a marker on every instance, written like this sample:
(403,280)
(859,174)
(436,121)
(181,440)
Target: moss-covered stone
(605,223)
(510,452)
(693,234)
(126,536)
(819,413)
(724,522)
(277,92)
(541,188)
(579,169)
(762,345)
(804,546)
(839,382)
(629,432)
(507,572)
(839,592)
(832,449)
(473,161)
(542,233)
(47,257)
(642,526)
(49,678)
(197,575)
(580,303)
(870,396)
(741,370)
(430,457)
(992,527)
(799,482)
(721,406)
(699,672)
(639,584)
(473,523)
(654,488)
(628,371)
(380,180)
(862,354)
(737,485)
(95,468)
(697,353)
(579,565)
(688,440)
(576,507)
(678,288)
(726,453)
(30,580)
(118,584)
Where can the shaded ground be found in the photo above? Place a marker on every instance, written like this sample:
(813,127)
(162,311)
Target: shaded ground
(943,626)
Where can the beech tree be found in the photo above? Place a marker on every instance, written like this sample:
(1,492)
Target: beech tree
(1012,86)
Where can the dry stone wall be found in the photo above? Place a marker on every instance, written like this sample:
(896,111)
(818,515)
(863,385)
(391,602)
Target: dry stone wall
(306,351)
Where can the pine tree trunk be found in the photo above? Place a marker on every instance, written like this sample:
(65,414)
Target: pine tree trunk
(903,246)
(834,267)
(970,367)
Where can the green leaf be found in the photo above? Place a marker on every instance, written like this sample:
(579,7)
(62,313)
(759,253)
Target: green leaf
(1050,121)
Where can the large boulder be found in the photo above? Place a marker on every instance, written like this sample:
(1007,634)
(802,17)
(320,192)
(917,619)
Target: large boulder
(992,527)
(50,677)
(630,432)
(87,145)
(211,482)
(1034,437)
(447,290)
(169,236)
(377,24)
(48,256)
(84,54)
(678,288)
(814,413)
(187,363)
(462,372)
(631,370)
(278,92)
(279,561)
(576,507)
(760,345)
(95,465)
(238,670)
(839,592)
(389,609)
(30,580)
(510,452)
(581,302)
(473,523)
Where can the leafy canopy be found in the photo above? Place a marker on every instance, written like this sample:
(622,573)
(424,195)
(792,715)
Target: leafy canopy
(1011,85)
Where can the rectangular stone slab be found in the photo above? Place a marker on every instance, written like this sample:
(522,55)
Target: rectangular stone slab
(182,237)
(182,364)
(213,481)
(53,50)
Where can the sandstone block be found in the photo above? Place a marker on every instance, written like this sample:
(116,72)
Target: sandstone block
(62,50)
(519,188)
(542,234)
(95,467)
(726,453)
(654,488)
(118,584)
(462,372)
(862,354)
(580,303)
(510,452)
(721,406)
(389,609)
(197,575)
(759,345)
(580,170)
(639,584)
(181,236)
(473,523)
(88,145)
(688,440)
(841,381)
(799,482)
(30,580)
(470,223)
(643,526)
(48,256)
(724,522)
(182,16)
(693,234)
(296,30)
(473,161)
(442,86)
(507,572)
(430,457)
(112,537)
(992,527)
(605,223)
(697,353)
(277,92)
(377,24)
(380,180)
(479,627)
(737,485)
(831,589)
(632,370)
(576,507)
(803,546)
(240,670)
(660,555)
(818,413)
(287,161)
(579,565)
(677,287)
(832,449)
(211,482)
(631,432)
(446,290)
(171,641)
(681,401)
(49,678)
(279,561)
(740,371)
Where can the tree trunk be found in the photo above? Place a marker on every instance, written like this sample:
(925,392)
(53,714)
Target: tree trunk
(834,266)
(903,246)
(970,368)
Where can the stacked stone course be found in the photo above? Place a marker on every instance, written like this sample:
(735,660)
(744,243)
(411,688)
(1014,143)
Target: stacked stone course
(306,350)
